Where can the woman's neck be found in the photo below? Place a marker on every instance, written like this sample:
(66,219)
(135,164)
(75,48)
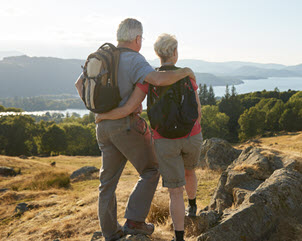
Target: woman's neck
(167,62)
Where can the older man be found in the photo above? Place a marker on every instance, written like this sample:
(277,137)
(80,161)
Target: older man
(129,139)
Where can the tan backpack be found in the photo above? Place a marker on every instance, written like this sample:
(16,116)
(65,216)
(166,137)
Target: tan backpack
(100,84)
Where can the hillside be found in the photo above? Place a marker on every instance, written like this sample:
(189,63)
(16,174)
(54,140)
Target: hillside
(70,213)
(34,76)
(25,76)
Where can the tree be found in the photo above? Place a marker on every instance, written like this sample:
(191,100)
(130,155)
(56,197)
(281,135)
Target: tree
(291,118)
(79,139)
(53,140)
(252,123)
(213,123)
(234,93)
(16,135)
(227,92)
(203,94)
(233,108)
(211,97)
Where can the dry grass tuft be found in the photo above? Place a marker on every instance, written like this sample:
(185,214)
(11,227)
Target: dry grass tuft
(44,181)
(159,211)
(244,167)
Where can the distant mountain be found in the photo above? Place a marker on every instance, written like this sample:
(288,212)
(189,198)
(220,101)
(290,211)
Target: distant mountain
(218,68)
(34,76)
(296,68)
(4,54)
(210,79)
(261,72)
(25,76)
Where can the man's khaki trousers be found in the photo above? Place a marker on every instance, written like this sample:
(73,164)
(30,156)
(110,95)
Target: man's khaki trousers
(121,140)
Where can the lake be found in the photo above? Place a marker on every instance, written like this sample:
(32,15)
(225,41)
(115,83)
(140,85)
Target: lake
(283,84)
(81,112)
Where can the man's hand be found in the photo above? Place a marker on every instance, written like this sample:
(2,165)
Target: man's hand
(190,73)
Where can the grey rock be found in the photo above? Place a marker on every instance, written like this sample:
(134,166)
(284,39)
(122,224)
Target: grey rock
(7,171)
(217,154)
(21,208)
(242,177)
(138,237)
(3,190)
(84,172)
(97,236)
(279,196)
(23,157)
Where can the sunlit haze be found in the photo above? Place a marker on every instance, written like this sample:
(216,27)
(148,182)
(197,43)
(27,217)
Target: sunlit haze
(265,31)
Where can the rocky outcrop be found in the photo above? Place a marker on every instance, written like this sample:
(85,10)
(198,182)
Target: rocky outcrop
(139,237)
(279,196)
(217,154)
(84,173)
(254,193)
(98,236)
(243,176)
(7,171)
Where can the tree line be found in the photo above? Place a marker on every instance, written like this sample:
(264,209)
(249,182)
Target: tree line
(234,118)
(23,135)
(38,103)
(240,117)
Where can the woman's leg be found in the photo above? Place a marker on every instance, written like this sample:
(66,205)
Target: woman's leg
(191,183)
(177,211)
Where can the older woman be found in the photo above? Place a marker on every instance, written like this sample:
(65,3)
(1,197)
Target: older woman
(177,157)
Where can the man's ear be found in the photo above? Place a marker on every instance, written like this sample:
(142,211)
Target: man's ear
(137,39)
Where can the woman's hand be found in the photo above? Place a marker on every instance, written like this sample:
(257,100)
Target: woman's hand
(190,73)
(98,118)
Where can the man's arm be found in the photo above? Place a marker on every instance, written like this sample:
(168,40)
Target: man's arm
(199,106)
(133,102)
(163,78)
(79,86)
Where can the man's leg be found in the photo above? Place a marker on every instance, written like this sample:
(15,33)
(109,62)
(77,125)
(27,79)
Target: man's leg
(139,150)
(112,167)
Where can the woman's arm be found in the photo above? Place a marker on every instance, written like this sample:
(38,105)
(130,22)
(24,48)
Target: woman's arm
(131,105)
(199,106)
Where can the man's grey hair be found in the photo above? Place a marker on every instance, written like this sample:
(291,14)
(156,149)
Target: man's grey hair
(128,30)
(165,45)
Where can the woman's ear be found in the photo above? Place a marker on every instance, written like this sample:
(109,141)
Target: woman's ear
(175,52)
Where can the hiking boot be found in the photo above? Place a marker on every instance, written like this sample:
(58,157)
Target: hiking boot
(119,234)
(191,211)
(134,227)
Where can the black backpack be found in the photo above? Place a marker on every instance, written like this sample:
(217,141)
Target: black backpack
(172,110)
(100,85)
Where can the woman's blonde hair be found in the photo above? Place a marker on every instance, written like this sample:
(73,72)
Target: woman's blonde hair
(165,45)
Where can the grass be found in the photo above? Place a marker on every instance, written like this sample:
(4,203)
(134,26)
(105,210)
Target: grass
(43,181)
(71,213)
(68,211)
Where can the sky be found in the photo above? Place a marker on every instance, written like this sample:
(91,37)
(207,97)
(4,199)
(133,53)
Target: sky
(264,31)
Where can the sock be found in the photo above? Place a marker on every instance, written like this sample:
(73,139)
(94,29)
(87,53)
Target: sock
(192,202)
(179,235)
